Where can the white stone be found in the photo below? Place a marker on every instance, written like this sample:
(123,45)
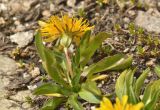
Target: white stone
(3,7)
(71,3)
(35,72)
(22,38)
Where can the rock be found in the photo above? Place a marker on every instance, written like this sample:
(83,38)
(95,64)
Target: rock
(126,20)
(131,12)
(147,21)
(22,38)
(3,7)
(52,7)
(81,5)
(22,95)
(46,13)
(3,83)
(2,21)
(71,3)
(151,62)
(6,104)
(148,3)
(32,87)
(8,66)
(35,72)
(26,76)
(15,7)
(26,105)
(21,6)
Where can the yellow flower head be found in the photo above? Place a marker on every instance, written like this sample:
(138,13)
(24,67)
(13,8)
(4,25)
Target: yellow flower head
(119,105)
(55,27)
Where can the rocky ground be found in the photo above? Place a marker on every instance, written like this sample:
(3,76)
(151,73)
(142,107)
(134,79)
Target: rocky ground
(20,68)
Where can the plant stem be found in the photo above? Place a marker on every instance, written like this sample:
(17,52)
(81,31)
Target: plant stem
(69,65)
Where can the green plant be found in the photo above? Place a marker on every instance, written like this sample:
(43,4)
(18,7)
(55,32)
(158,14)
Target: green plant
(157,70)
(70,73)
(147,44)
(128,85)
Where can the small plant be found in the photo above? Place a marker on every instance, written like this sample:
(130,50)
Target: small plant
(147,45)
(128,85)
(143,40)
(73,78)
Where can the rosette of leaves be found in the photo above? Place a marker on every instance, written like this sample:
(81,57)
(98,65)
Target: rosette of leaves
(80,85)
(128,85)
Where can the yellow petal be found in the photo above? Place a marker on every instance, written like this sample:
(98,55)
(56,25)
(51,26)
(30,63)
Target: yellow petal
(124,100)
(107,103)
(41,23)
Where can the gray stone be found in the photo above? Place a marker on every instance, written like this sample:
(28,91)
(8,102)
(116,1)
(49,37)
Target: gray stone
(22,38)
(7,66)
(147,21)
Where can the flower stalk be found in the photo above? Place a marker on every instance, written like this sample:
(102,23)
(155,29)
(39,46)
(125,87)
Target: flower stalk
(69,65)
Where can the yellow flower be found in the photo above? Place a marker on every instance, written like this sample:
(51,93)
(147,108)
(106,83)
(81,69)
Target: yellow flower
(55,27)
(119,105)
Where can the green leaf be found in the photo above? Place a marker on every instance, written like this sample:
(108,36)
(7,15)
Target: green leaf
(49,60)
(52,104)
(90,92)
(89,96)
(88,51)
(50,65)
(157,70)
(92,87)
(124,86)
(76,78)
(121,87)
(76,58)
(85,40)
(50,88)
(39,45)
(140,81)
(116,62)
(82,46)
(151,95)
(72,100)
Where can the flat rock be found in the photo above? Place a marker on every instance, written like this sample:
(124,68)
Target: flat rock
(22,38)
(6,104)
(7,65)
(147,21)
(21,95)
(3,83)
